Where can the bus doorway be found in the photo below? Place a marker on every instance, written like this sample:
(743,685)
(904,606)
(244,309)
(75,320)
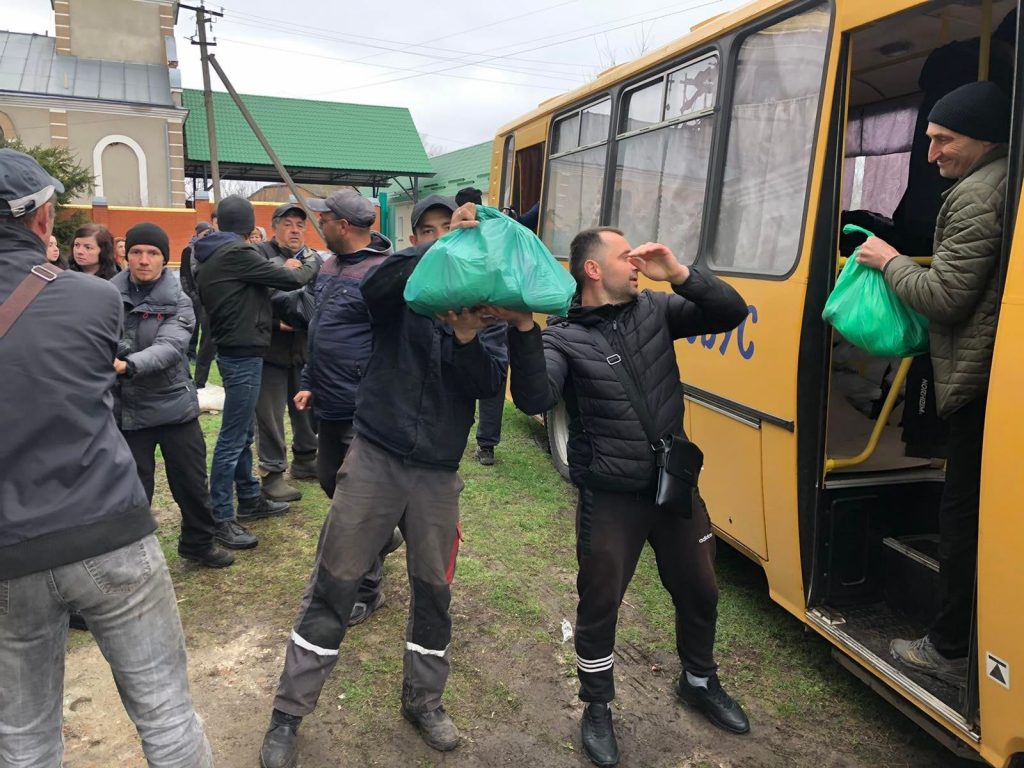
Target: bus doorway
(875,571)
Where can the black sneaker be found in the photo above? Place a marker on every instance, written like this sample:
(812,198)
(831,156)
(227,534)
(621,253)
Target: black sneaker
(361,611)
(211,556)
(716,705)
(598,734)
(485,456)
(280,744)
(436,728)
(259,507)
(234,536)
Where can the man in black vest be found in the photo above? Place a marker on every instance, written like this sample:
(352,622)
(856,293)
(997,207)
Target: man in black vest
(613,464)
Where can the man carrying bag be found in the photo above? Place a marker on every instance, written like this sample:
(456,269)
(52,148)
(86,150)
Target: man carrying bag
(612,361)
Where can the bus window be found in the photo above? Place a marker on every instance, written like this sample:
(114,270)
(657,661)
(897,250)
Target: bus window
(777,89)
(575,175)
(661,169)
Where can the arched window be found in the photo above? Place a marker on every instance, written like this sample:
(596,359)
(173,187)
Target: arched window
(122,176)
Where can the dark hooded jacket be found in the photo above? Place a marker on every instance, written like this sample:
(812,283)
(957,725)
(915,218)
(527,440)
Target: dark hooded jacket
(607,444)
(158,324)
(418,394)
(235,284)
(340,336)
(68,486)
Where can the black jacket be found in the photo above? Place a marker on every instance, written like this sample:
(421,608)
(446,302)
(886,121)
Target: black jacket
(287,348)
(68,486)
(235,282)
(158,325)
(607,445)
(418,394)
(340,335)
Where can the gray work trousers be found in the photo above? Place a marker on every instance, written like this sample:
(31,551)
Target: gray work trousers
(277,390)
(127,598)
(376,491)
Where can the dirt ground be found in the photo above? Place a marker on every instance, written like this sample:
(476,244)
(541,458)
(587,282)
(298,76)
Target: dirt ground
(512,690)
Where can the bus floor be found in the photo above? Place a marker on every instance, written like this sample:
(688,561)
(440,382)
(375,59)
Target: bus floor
(875,625)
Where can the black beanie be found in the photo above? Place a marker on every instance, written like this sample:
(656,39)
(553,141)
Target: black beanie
(979,110)
(148,234)
(235,214)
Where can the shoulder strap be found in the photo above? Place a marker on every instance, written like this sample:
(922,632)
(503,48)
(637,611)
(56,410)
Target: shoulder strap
(636,399)
(38,278)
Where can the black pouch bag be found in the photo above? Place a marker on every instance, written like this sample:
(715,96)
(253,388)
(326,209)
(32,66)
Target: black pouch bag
(679,465)
(678,459)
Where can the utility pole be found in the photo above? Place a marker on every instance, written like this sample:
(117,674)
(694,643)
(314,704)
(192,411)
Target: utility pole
(211,126)
(266,145)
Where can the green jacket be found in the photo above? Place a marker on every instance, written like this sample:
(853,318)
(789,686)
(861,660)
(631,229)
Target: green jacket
(960,294)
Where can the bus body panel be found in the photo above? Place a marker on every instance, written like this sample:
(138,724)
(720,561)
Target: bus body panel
(1001,527)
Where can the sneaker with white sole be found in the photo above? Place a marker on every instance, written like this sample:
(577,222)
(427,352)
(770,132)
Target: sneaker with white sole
(921,655)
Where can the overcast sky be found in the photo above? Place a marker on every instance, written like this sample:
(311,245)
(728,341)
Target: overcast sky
(462,69)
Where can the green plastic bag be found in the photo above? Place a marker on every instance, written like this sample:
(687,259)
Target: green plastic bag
(869,314)
(499,262)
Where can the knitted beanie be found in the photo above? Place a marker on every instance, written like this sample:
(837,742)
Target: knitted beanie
(978,110)
(235,214)
(148,234)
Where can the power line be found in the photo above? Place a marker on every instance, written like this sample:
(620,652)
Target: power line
(527,50)
(361,39)
(392,67)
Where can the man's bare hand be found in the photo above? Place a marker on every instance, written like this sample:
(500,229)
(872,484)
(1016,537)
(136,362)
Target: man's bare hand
(293,263)
(876,253)
(656,262)
(120,366)
(285,327)
(464,217)
(523,321)
(303,399)
(466,323)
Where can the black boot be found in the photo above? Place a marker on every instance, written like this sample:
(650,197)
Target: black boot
(435,727)
(280,744)
(717,705)
(211,556)
(234,536)
(599,735)
(259,507)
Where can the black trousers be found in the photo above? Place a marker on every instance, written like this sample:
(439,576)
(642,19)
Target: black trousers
(207,349)
(488,427)
(958,531)
(611,529)
(184,452)
(333,441)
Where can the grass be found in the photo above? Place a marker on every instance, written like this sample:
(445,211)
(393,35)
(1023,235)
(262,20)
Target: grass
(515,582)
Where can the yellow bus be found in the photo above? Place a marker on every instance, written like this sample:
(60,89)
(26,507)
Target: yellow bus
(741,146)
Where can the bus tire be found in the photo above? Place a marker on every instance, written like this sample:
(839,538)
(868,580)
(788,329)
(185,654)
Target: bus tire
(557,422)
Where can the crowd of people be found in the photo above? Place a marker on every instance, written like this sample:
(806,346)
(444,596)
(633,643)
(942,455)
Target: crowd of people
(381,402)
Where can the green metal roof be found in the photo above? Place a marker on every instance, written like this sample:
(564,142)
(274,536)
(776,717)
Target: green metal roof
(469,167)
(318,141)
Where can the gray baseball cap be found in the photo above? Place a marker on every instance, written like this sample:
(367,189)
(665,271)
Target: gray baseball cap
(434,201)
(24,185)
(346,204)
(283,210)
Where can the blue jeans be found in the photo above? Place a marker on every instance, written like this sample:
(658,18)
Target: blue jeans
(232,456)
(127,598)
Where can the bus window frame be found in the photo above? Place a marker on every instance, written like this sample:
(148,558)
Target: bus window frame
(577,110)
(507,170)
(732,45)
(629,90)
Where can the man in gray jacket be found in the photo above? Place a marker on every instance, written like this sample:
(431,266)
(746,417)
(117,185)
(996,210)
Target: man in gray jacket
(76,532)
(155,397)
(968,129)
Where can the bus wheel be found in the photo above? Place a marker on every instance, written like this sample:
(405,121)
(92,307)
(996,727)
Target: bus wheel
(557,422)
